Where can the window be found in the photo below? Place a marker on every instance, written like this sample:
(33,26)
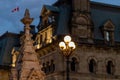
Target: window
(107,36)
(47,67)
(108,31)
(44,67)
(110,67)
(52,66)
(92,66)
(40,39)
(45,36)
(51,19)
(73,64)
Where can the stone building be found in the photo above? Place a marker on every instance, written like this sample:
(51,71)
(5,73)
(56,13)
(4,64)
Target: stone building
(93,26)
(7,41)
(9,47)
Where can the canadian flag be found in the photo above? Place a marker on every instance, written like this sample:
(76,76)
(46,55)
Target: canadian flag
(15,9)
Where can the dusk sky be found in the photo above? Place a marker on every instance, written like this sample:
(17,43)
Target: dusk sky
(10,21)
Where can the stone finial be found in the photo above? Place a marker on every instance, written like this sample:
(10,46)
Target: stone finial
(26,19)
(27,14)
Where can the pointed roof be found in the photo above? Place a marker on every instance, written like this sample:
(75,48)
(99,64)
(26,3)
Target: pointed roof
(109,25)
(49,8)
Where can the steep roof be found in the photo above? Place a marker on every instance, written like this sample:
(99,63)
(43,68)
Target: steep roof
(63,20)
(50,8)
(101,13)
(7,42)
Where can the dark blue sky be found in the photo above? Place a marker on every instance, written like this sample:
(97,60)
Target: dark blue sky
(10,21)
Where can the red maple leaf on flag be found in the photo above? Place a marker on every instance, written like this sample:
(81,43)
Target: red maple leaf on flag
(15,9)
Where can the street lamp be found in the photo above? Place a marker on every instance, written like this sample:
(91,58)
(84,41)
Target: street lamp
(67,46)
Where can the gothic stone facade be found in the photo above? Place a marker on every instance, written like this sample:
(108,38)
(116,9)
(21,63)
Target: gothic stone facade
(94,27)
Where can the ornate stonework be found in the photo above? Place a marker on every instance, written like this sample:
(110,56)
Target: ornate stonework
(82,26)
(27,66)
(92,59)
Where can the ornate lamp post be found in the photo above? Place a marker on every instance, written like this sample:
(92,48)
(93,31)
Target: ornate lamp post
(67,46)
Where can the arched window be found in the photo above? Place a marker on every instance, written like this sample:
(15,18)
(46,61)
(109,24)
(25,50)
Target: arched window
(44,67)
(52,66)
(47,67)
(73,64)
(110,67)
(92,66)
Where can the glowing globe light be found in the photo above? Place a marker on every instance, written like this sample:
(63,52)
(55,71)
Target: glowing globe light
(67,39)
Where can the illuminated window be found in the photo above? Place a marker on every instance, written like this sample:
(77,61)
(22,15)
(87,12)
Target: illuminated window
(108,30)
(51,19)
(107,36)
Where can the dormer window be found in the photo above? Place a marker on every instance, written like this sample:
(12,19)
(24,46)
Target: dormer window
(108,32)
(53,18)
(49,20)
(47,25)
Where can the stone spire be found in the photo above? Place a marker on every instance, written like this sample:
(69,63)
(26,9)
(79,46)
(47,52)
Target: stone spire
(29,67)
(27,19)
